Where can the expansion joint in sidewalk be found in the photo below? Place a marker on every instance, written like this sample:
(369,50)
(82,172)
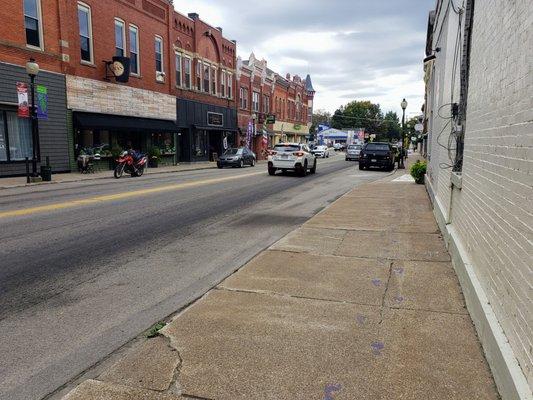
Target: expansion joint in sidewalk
(382,309)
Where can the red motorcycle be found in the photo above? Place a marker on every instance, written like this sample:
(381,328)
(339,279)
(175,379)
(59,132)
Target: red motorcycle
(132,163)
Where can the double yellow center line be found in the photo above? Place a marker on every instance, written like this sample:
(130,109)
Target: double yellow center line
(121,196)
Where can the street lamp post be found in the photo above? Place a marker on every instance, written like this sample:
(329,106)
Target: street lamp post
(404,106)
(32,69)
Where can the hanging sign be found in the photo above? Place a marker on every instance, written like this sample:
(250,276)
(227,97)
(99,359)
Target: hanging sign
(225,142)
(42,102)
(22,94)
(249,134)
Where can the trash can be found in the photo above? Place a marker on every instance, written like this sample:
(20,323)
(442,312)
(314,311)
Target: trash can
(46,173)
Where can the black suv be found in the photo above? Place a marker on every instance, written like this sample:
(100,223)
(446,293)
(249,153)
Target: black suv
(377,154)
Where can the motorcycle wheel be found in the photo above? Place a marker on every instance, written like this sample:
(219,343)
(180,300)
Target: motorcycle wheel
(119,171)
(140,171)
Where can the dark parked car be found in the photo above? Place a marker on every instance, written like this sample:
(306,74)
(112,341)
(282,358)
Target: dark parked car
(377,154)
(237,157)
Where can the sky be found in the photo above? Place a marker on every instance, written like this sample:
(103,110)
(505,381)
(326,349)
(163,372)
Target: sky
(353,49)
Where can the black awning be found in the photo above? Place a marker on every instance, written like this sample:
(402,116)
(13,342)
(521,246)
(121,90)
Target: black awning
(215,128)
(118,122)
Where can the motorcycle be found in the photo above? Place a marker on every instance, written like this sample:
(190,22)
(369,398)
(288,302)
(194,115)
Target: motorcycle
(132,163)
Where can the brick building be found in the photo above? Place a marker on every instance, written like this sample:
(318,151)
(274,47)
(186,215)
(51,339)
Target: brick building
(478,118)
(254,100)
(263,92)
(85,50)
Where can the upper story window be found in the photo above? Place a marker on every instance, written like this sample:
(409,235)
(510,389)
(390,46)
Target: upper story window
(134,50)
(198,75)
(179,72)
(207,69)
(230,85)
(266,104)
(255,101)
(187,72)
(223,78)
(86,34)
(244,98)
(32,23)
(158,54)
(120,38)
(214,80)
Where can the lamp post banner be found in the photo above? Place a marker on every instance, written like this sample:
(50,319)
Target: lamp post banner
(42,102)
(249,134)
(22,94)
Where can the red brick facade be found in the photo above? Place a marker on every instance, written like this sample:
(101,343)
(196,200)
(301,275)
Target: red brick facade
(60,50)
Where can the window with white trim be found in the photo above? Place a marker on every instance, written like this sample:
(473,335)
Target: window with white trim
(213,80)
(187,71)
(255,101)
(266,104)
(158,54)
(244,98)
(32,23)
(207,74)
(198,75)
(223,83)
(120,38)
(134,50)
(230,85)
(86,33)
(179,70)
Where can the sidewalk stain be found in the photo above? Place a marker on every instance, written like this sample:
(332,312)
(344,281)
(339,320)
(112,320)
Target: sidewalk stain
(377,347)
(376,282)
(361,319)
(330,391)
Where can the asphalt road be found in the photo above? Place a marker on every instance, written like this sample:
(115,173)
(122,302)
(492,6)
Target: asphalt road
(85,267)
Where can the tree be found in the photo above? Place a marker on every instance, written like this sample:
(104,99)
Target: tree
(359,114)
(391,129)
(320,117)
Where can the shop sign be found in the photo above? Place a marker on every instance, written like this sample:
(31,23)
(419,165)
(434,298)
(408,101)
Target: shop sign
(22,94)
(215,119)
(42,102)
(297,127)
(270,119)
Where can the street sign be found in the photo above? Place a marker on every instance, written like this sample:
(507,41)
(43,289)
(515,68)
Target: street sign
(419,127)
(270,119)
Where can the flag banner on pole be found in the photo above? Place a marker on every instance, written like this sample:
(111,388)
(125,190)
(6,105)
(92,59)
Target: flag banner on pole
(22,94)
(42,102)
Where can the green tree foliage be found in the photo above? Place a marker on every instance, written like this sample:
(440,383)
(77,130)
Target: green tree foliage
(319,117)
(391,128)
(359,114)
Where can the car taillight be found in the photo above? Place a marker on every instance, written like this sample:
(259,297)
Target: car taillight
(298,154)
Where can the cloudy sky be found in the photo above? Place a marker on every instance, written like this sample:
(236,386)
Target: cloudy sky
(353,49)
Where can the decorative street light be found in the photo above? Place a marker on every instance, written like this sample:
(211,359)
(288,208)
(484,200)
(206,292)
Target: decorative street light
(32,69)
(404,106)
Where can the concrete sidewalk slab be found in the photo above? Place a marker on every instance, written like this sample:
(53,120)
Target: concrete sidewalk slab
(360,281)
(255,346)
(312,240)
(96,390)
(151,366)
(422,285)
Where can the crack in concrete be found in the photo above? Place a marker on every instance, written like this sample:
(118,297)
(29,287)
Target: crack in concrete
(269,293)
(384,297)
(174,386)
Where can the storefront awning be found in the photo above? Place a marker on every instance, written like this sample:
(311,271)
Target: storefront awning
(118,122)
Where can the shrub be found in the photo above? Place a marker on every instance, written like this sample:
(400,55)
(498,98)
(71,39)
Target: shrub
(418,170)
(154,152)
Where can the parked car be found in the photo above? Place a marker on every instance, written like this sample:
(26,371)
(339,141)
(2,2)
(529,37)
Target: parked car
(237,157)
(291,157)
(353,151)
(321,151)
(377,154)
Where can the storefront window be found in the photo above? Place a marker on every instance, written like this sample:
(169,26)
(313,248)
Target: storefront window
(199,144)
(16,132)
(164,142)
(94,142)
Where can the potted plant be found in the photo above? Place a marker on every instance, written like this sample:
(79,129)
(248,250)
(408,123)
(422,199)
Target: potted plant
(153,157)
(115,152)
(418,170)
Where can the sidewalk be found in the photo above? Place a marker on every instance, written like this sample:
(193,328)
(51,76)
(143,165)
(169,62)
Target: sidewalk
(6,183)
(361,302)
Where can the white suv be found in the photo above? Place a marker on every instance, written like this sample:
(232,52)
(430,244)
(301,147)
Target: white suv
(291,157)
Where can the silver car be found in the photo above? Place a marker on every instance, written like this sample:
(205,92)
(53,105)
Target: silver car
(352,152)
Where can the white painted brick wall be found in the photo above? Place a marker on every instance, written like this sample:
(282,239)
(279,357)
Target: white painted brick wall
(493,213)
